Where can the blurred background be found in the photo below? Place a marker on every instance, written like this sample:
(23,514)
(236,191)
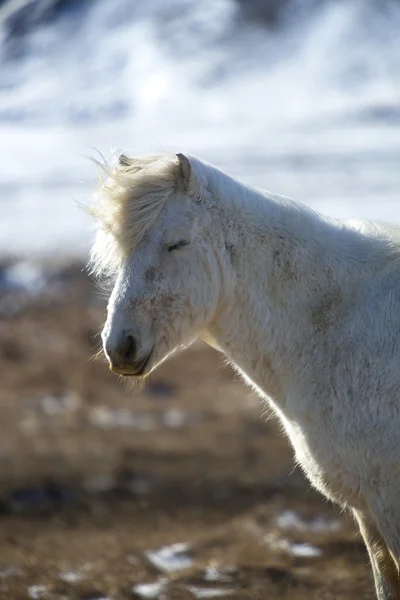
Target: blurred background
(185,490)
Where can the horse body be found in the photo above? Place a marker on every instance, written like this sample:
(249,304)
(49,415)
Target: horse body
(306,308)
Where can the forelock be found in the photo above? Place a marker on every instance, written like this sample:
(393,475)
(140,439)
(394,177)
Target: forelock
(127,205)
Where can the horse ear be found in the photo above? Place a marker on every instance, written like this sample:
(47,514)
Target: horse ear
(124,161)
(184,172)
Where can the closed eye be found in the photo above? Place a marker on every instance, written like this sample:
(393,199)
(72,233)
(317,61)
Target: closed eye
(178,245)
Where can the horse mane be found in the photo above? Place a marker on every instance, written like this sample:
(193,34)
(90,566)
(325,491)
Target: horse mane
(136,189)
(127,205)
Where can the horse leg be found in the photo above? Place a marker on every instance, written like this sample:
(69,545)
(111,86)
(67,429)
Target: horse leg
(384,567)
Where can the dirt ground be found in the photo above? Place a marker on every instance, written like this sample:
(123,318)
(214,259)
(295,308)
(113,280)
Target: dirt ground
(182,491)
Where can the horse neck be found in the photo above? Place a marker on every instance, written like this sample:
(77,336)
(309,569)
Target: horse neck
(290,274)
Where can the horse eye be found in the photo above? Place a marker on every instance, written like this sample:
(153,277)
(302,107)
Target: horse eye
(178,245)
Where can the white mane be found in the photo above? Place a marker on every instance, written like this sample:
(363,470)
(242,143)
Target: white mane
(127,204)
(136,189)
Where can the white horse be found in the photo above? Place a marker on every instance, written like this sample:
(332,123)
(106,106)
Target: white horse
(306,308)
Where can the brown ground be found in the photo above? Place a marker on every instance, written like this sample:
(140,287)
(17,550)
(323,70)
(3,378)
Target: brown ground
(93,477)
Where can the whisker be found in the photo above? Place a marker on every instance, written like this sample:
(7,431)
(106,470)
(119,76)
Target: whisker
(98,355)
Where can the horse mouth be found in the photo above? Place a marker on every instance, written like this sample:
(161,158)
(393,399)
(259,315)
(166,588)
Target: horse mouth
(138,371)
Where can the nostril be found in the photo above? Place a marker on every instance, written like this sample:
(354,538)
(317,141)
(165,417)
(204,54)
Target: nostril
(122,352)
(129,347)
